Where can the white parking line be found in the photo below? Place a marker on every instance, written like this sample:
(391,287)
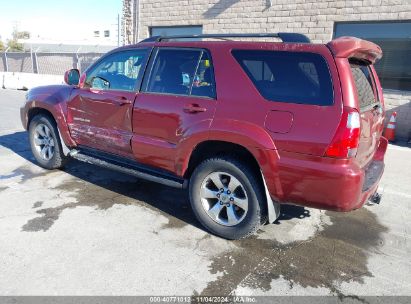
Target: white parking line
(386,190)
(398,148)
(6,132)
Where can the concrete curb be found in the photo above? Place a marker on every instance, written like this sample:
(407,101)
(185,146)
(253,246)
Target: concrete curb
(26,81)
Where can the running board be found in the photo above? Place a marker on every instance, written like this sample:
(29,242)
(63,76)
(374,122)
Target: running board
(130,169)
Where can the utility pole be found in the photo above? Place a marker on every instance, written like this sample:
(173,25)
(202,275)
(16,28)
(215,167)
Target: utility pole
(118,30)
(128,22)
(136,21)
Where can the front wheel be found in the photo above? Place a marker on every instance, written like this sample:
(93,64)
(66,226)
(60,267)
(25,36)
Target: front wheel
(45,143)
(227,197)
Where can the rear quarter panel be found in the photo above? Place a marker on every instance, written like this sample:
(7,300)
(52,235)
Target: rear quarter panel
(313,127)
(241,112)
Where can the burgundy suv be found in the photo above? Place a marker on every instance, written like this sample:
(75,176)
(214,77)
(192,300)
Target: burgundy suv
(245,126)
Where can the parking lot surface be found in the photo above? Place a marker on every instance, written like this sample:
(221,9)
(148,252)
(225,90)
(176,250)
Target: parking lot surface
(85,230)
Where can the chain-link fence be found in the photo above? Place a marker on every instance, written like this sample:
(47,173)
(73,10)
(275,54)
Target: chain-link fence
(45,63)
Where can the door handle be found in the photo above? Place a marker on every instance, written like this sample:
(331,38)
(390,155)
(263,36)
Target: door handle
(120,101)
(194,108)
(123,101)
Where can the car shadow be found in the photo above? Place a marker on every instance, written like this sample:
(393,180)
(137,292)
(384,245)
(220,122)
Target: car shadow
(169,201)
(289,212)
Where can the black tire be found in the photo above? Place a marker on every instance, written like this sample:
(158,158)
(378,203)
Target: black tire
(256,214)
(58,160)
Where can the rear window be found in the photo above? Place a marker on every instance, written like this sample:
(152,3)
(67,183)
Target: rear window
(295,77)
(364,84)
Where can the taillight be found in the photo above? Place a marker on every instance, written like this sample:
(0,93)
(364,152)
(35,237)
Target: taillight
(347,137)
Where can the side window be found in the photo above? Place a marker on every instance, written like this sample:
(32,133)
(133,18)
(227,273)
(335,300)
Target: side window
(364,84)
(119,71)
(203,84)
(259,70)
(181,72)
(294,77)
(173,71)
(308,68)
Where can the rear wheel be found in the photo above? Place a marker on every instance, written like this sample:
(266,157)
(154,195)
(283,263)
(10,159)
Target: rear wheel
(45,143)
(227,197)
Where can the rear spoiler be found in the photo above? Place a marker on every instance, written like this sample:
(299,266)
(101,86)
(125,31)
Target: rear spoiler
(351,47)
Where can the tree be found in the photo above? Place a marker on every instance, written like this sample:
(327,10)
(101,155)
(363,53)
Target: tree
(22,35)
(2,47)
(13,44)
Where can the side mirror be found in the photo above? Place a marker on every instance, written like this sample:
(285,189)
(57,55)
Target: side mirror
(72,77)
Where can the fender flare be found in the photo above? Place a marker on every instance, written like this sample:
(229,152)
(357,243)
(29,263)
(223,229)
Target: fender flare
(245,134)
(256,141)
(58,115)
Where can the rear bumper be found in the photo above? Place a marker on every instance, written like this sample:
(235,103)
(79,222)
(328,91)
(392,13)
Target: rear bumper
(327,183)
(372,175)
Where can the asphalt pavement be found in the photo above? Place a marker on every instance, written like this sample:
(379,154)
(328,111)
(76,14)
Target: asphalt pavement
(85,230)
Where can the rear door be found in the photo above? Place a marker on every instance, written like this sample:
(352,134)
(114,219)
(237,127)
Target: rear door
(178,99)
(371,110)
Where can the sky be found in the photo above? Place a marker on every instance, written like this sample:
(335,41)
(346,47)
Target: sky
(63,20)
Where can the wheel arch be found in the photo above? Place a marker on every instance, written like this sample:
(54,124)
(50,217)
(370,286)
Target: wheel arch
(32,112)
(35,111)
(244,135)
(55,112)
(213,148)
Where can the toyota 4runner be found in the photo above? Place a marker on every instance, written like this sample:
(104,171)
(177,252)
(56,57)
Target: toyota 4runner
(244,125)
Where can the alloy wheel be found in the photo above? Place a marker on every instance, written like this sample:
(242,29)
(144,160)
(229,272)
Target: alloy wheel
(224,198)
(43,142)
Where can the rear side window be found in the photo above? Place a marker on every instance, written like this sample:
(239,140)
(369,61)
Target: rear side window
(203,84)
(173,71)
(364,84)
(295,77)
(182,72)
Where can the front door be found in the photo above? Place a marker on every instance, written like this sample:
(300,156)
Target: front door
(100,111)
(177,100)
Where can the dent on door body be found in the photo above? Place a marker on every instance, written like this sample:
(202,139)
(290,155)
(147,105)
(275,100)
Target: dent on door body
(100,120)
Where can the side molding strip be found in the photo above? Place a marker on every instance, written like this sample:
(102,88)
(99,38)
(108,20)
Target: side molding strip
(127,170)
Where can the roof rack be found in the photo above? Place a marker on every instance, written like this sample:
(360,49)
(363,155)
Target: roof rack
(285,37)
